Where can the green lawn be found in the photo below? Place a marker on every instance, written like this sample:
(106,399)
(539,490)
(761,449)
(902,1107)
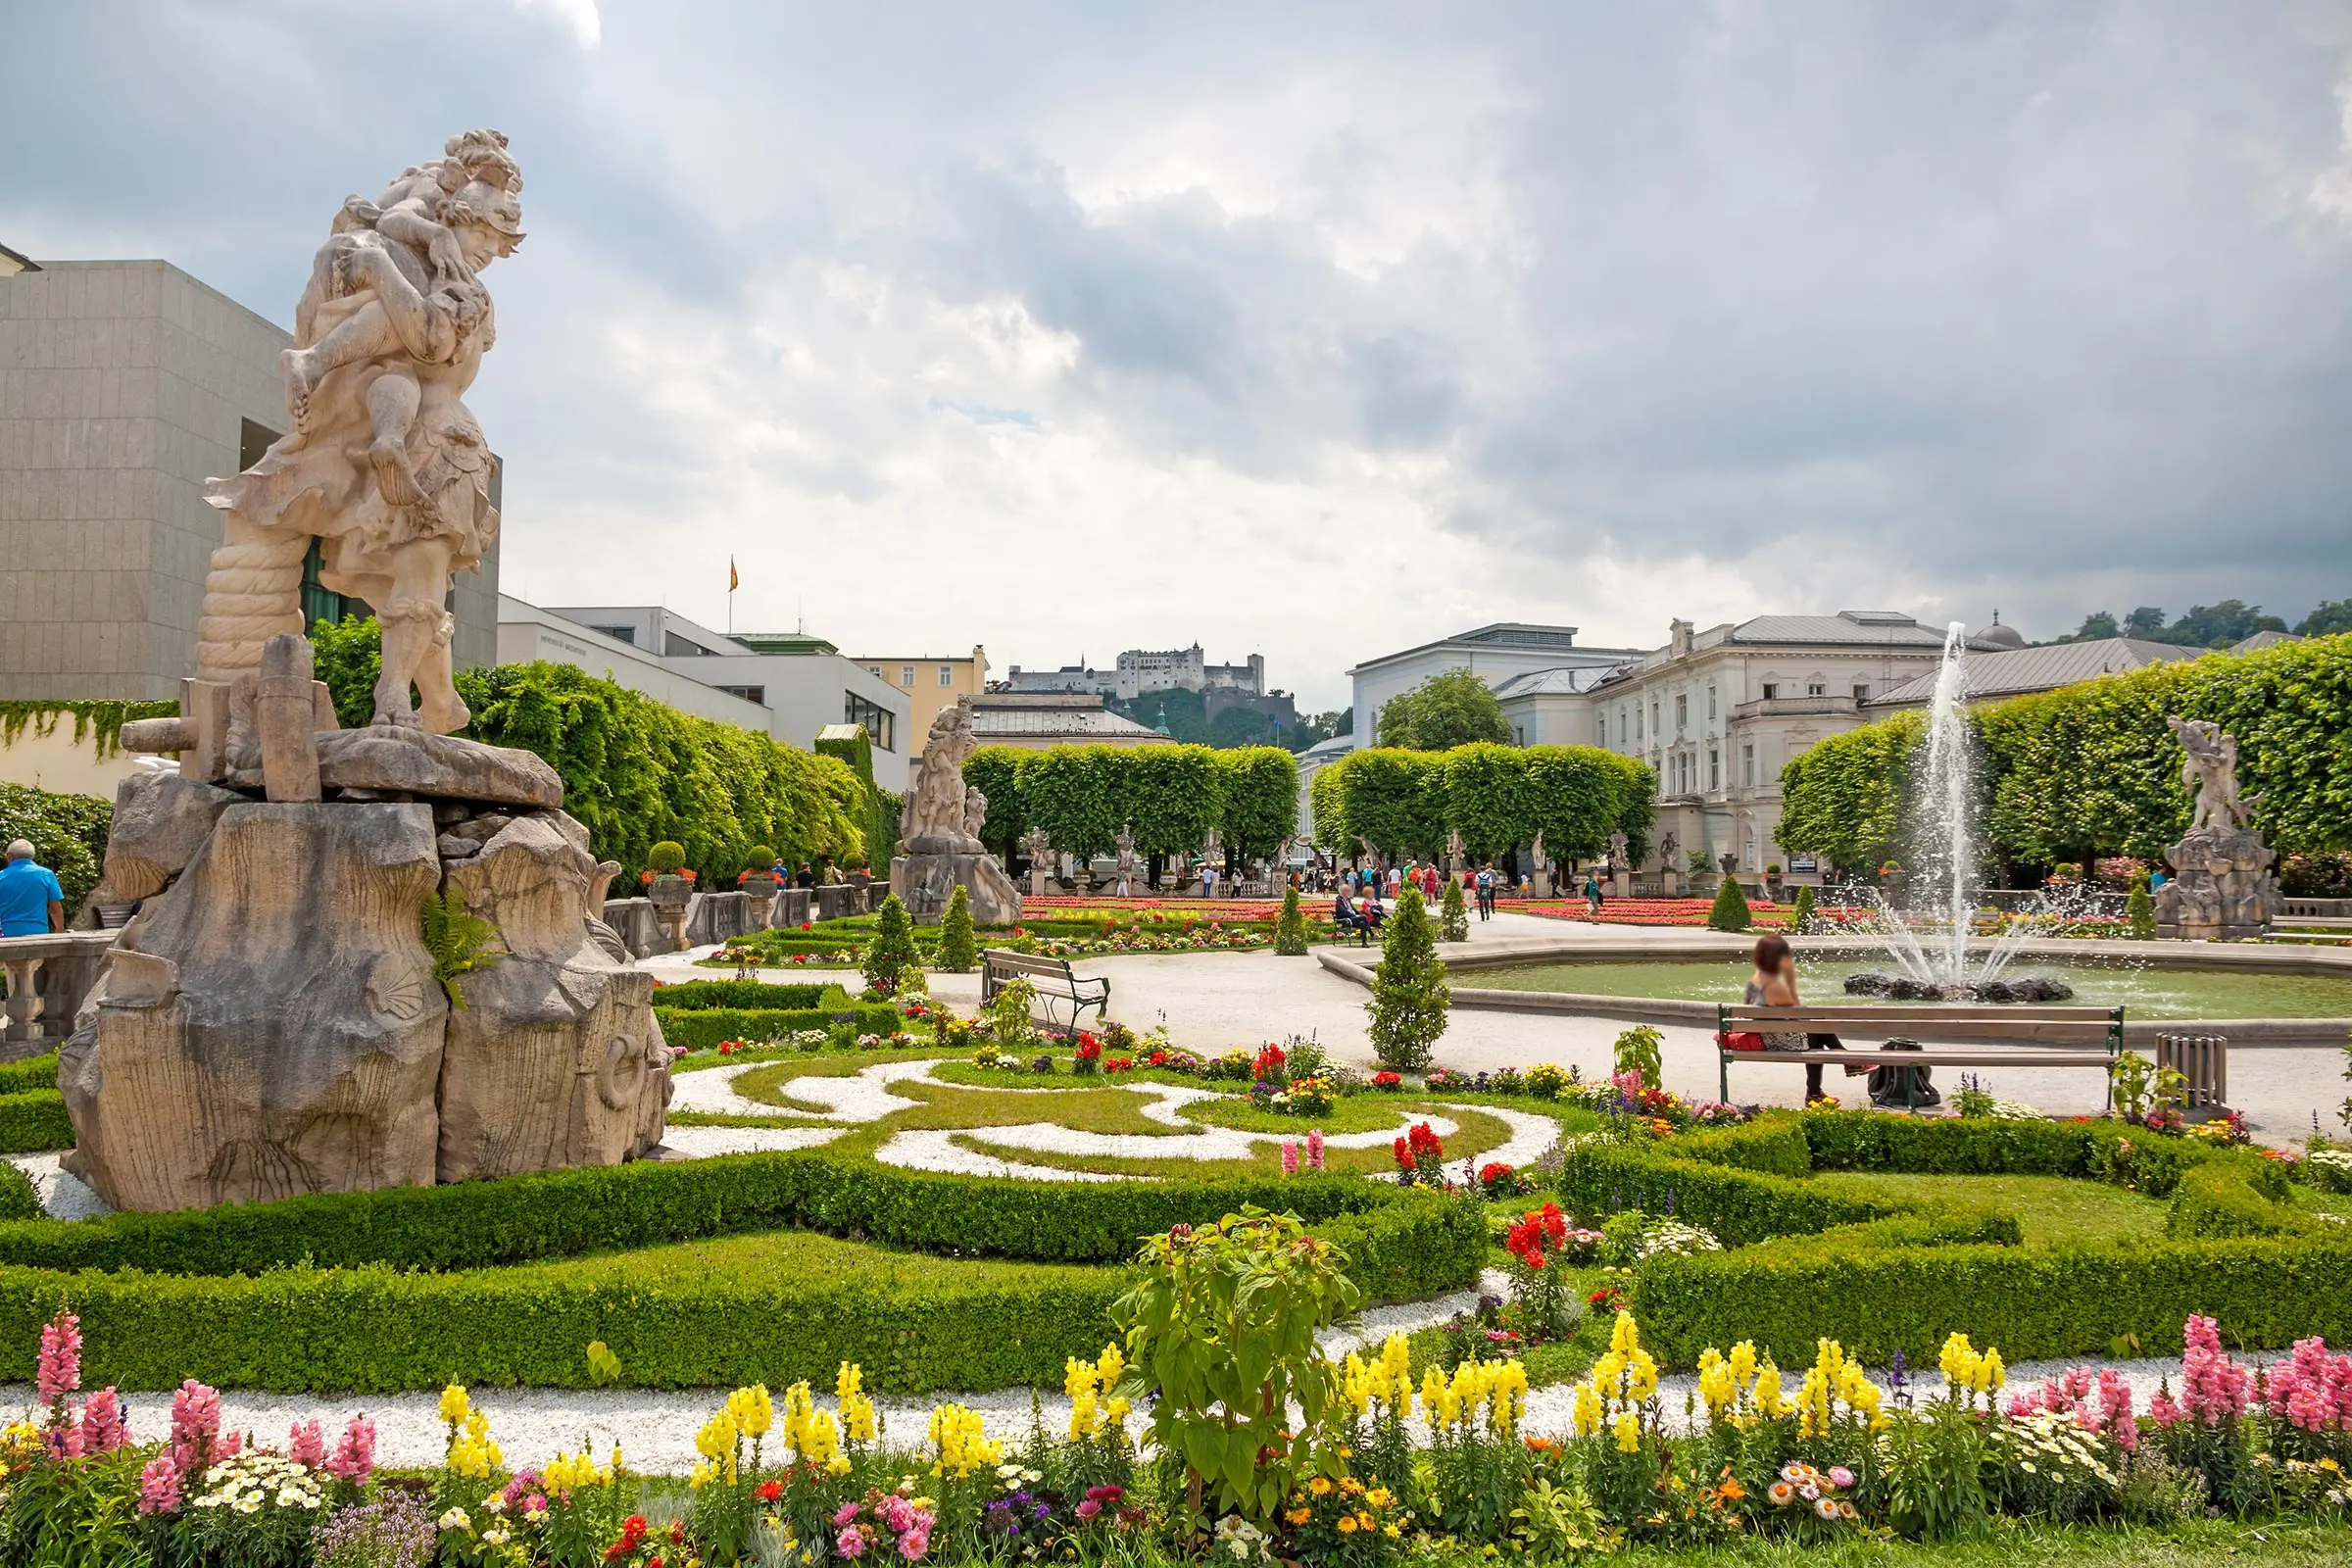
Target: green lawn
(2201,1543)
(2054,1211)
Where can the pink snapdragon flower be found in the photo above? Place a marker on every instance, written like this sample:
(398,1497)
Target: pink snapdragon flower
(1314,1148)
(2311,1389)
(306,1444)
(196,1429)
(2213,1386)
(60,1371)
(1290,1156)
(102,1430)
(158,1486)
(354,1458)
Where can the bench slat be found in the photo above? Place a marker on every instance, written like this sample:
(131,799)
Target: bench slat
(1932,1058)
(2097,1017)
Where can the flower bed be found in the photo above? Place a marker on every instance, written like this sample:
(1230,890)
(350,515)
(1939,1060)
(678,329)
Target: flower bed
(1766,915)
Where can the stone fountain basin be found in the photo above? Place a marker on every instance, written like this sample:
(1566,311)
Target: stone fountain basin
(1463,963)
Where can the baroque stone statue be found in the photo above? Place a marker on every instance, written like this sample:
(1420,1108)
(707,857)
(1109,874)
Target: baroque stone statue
(1127,875)
(385,465)
(942,822)
(2222,884)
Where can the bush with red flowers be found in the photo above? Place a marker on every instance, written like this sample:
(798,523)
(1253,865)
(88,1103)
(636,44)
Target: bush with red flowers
(1499,1180)
(1388,1080)
(1088,1058)
(1270,1066)
(1420,1158)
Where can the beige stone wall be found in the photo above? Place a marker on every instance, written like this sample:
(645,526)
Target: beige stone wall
(124,386)
(58,762)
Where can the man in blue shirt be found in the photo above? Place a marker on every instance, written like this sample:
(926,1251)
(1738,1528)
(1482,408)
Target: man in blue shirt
(31,903)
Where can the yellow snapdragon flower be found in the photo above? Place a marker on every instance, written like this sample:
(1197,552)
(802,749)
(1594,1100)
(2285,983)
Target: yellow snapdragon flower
(454,1404)
(960,1441)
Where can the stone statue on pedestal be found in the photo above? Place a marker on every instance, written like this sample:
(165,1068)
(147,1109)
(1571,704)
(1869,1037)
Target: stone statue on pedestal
(1670,866)
(1127,875)
(1621,866)
(943,818)
(1455,852)
(2223,885)
(1038,847)
(1542,877)
(282,1016)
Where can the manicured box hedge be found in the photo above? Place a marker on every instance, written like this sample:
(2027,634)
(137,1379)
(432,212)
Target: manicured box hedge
(700,1028)
(694,995)
(1889,1274)
(18,1199)
(34,1119)
(34,1072)
(380,1329)
(610,1209)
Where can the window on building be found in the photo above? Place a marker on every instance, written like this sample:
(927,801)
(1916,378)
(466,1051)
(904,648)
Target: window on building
(1714,770)
(946,674)
(1861,691)
(1710,701)
(1601,723)
(620,634)
(907,676)
(1816,689)
(1621,726)
(1518,735)
(856,709)
(674,646)
(1682,714)
(1772,689)
(874,671)
(1748,767)
(750,694)
(321,605)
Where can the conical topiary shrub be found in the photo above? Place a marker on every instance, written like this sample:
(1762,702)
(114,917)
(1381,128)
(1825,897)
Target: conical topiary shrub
(1800,914)
(1730,907)
(958,949)
(1290,930)
(1409,994)
(890,951)
(1454,915)
(2140,910)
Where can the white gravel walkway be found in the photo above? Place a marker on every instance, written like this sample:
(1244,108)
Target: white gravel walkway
(63,1196)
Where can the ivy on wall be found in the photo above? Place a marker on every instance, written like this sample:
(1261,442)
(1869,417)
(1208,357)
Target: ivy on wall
(98,720)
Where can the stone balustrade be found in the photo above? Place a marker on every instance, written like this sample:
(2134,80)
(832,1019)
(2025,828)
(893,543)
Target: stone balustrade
(48,976)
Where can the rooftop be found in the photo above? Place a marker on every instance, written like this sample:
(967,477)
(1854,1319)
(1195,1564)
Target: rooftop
(2021,670)
(1515,636)
(1565,681)
(784,642)
(1868,628)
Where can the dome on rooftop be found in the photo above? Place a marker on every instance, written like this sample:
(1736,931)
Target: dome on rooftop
(2003,636)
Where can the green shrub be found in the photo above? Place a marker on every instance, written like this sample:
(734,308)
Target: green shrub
(1289,928)
(34,1119)
(958,948)
(1454,915)
(1730,912)
(1800,914)
(701,1028)
(760,857)
(665,857)
(34,1072)
(68,834)
(18,1199)
(692,994)
(1409,994)
(890,952)
(2140,909)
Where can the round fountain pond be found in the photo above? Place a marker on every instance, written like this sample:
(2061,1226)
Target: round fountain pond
(2145,991)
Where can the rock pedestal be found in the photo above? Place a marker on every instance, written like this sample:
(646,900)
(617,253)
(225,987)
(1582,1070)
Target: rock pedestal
(271,1023)
(927,875)
(2222,886)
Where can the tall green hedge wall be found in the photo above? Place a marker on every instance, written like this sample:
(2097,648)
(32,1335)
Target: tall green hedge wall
(1171,795)
(637,772)
(2094,769)
(1496,797)
(67,832)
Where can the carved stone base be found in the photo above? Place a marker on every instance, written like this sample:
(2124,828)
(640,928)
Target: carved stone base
(2222,888)
(925,882)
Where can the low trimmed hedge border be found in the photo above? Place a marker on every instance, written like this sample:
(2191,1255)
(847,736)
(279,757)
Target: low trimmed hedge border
(1889,1275)
(19,1198)
(701,1028)
(686,995)
(521,1219)
(32,1120)
(380,1329)
(34,1072)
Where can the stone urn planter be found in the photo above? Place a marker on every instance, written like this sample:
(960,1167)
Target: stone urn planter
(669,894)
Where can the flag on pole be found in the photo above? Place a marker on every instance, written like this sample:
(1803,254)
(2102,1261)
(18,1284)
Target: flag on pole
(733,581)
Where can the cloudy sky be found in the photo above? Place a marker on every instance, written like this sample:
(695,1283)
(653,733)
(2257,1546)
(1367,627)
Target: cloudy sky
(1317,331)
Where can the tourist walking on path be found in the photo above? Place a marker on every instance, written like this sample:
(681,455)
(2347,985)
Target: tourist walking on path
(1591,895)
(31,903)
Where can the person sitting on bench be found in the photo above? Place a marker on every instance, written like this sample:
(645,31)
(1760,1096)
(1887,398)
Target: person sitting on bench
(1773,985)
(1344,916)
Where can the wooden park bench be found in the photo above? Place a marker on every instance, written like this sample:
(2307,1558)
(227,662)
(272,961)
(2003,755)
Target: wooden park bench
(1055,984)
(2021,1036)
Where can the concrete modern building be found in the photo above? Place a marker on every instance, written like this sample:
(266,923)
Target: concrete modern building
(931,682)
(1041,721)
(1494,654)
(790,685)
(124,386)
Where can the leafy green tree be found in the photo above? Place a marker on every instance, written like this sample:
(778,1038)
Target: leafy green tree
(2232,620)
(2147,621)
(958,950)
(1454,915)
(68,834)
(1327,796)
(1410,992)
(1452,707)
(1577,795)
(1310,728)
(1073,792)
(2140,910)
(2097,626)
(1845,797)
(1184,714)
(1394,797)
(1289,928)
(1240,726)
(1221,1340)
(1173,795)
(1489,797)
(1259,790)
(2331,617)
(890,952)
(1731,912)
